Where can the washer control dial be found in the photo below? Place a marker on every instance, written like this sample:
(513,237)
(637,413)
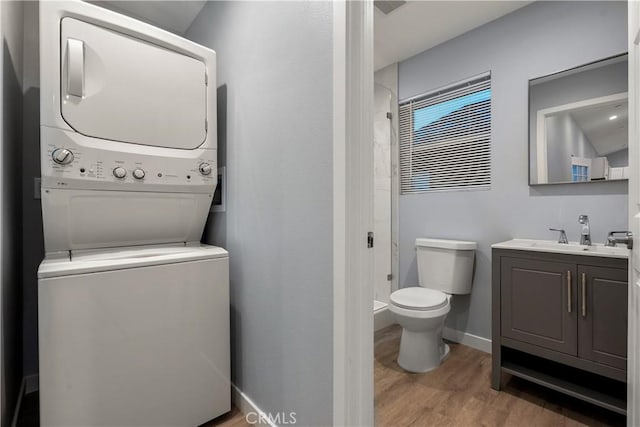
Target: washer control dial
(205,168)
(138,173)
(62,156)
(119,172)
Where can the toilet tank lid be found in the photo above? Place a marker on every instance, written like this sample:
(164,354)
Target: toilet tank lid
(445,244)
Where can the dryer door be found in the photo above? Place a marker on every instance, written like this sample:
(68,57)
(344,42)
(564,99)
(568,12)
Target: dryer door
(125,89)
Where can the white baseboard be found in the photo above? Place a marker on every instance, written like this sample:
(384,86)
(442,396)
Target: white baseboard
(382,318)
(253,414)
(470,340)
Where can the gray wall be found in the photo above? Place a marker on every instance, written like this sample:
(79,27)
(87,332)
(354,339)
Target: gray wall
(275,79)
(565,139)
(536,40)
(11,357)
(618,158)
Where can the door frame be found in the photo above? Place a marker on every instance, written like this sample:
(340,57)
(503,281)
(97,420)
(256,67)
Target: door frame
(352,191)
(3,144)
(633,342)
(352,213)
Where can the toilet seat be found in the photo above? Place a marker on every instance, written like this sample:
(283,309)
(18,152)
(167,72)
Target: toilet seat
(415,303)
(418,298)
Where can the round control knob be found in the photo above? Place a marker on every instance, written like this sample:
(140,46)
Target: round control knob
(205,168)
(62,156)
(138,173)
(119,172)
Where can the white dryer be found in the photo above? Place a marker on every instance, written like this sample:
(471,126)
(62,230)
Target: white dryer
(127,130)
(133,310)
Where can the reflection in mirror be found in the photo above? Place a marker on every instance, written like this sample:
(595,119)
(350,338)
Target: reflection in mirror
(578,124)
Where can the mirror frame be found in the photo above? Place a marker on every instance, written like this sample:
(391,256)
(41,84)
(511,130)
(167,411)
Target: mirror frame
(547,111)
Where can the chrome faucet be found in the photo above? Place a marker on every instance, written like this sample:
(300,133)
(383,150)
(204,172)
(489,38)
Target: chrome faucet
(585,234)
(626,238)
(563,236)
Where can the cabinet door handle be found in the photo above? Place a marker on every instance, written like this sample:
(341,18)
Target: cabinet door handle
(568,291)
(584,295)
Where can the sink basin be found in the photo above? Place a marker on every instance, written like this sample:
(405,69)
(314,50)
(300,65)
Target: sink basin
(575,248)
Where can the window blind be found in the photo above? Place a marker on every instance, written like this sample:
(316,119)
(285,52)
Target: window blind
(445,138)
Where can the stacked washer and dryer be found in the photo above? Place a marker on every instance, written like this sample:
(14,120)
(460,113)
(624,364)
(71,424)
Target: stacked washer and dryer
(133,310)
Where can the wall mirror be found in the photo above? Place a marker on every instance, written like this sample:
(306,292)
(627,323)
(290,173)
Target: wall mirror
(578,124)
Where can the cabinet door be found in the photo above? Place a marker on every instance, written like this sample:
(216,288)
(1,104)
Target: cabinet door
(538,303)
(602,324)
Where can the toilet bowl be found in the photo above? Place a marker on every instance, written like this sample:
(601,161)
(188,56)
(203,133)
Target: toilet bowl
(445,267)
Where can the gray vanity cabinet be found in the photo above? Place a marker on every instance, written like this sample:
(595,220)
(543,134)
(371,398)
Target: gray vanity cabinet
(537,303)
(602,320)
(560,320)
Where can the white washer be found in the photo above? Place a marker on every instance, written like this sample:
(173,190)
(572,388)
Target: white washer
(134,337)
(133,310)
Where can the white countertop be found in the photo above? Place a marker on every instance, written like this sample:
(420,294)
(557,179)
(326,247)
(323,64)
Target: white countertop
(573,248)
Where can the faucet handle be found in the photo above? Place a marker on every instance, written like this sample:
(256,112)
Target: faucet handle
(612,240)
(563,235)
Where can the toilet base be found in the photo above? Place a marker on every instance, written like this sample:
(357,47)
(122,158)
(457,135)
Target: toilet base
(445,355)
(422,351)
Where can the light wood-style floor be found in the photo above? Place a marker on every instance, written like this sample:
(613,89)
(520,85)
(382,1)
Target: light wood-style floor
(235,418)
(458,394)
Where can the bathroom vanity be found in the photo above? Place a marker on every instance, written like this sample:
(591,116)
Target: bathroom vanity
(560,318)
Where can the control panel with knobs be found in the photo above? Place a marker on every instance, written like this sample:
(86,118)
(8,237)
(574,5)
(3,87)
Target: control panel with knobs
(205,168)
(138,173)
(62,156)
(70,166)
(119,172)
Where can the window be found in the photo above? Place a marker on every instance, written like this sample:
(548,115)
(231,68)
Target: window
(445,138)
(580,169)
(579,173)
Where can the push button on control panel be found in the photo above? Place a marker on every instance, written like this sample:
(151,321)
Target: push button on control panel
(138,173)
(205,168)
(119,172)
(62,156)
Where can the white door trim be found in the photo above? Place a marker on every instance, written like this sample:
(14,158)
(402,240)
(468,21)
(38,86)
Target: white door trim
(3,143)
(633,343)
(353,213)
(339,216)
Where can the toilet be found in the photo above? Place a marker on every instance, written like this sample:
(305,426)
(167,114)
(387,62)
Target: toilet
(445,268)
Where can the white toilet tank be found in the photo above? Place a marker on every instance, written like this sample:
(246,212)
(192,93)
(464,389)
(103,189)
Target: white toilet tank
(445,265)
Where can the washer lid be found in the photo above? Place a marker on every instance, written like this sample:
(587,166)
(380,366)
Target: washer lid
(96,260)
(446,244)
(417,298)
